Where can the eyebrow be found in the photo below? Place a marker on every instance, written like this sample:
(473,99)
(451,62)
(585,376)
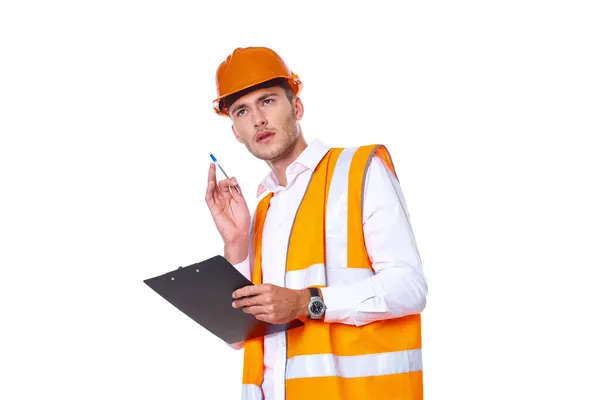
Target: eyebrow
(261,98)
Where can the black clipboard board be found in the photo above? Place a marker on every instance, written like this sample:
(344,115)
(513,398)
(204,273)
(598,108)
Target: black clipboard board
(202,291)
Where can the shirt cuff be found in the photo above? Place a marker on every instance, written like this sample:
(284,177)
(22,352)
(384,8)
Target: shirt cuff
(244,268)
(343,302)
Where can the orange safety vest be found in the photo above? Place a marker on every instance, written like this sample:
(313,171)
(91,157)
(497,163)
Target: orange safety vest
(334,361)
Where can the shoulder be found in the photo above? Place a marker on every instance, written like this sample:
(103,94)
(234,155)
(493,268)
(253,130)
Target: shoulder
(378,164)
(373,158)
(380,176)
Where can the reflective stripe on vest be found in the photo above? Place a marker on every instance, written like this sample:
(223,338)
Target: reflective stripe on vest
(379,360)
(315,365)
(251,392)
(336,224)
(317,275)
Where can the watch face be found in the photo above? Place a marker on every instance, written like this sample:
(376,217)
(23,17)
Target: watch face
(316,308)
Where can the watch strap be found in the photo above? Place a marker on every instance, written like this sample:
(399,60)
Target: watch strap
(314,292)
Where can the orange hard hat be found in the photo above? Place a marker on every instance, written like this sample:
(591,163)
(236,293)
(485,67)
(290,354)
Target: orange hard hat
(247,67)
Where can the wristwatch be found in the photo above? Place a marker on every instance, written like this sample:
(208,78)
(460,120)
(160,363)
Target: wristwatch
(316,306)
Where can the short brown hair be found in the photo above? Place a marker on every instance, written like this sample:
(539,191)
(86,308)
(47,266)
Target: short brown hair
(280,82)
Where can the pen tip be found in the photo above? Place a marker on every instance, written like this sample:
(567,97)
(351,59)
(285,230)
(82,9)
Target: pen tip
(213,158)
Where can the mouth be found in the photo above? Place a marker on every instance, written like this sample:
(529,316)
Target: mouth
(264,136)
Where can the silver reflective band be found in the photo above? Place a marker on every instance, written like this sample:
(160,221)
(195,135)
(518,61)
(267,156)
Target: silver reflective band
(251,392)
(316,365)
(317,275)
(303,278)
(336,218)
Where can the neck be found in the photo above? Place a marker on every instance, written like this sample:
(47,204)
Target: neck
(280,165)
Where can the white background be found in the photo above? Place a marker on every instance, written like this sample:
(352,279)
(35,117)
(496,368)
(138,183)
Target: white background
(490,111)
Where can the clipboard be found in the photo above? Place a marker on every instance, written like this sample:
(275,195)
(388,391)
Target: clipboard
(202,291)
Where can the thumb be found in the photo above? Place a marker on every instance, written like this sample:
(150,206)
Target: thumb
(236,191)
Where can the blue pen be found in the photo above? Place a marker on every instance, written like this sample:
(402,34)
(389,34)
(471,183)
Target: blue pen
(223,171)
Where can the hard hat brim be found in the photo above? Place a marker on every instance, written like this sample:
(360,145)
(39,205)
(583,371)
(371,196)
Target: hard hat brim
(293,81)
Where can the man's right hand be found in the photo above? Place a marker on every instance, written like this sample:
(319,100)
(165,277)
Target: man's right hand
(231,215)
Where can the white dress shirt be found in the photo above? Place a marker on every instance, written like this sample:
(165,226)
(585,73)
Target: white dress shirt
(398,287)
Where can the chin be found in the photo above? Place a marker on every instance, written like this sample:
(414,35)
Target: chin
(270,154)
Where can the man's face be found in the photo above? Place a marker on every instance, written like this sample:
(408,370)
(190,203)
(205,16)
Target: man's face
(266,122)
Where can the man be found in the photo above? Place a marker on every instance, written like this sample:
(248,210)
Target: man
(330,243)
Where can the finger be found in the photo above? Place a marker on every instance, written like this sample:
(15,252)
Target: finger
(222,193)
(255,310)
(211,185)
(226,186)
(212,176)
(249,301)
(236,192)
(251,290)
(264,317)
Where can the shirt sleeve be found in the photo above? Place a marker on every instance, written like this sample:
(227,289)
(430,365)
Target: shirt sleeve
(398,287)
(245,268)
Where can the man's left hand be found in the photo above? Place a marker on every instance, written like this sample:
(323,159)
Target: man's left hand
(271,303)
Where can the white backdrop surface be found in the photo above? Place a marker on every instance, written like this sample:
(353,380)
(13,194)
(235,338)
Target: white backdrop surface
(490,111)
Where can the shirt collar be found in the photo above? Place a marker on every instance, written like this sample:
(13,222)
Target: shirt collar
(310,157)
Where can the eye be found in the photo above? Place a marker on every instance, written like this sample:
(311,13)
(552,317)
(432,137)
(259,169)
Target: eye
(240,113)
(268,101)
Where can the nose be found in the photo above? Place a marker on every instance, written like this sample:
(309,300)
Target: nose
(259,119)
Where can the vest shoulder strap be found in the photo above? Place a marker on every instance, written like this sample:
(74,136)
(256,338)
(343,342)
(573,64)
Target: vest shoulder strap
(357,254)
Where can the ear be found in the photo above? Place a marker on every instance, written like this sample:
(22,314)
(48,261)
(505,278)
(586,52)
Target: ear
(235,133)
(298,108)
